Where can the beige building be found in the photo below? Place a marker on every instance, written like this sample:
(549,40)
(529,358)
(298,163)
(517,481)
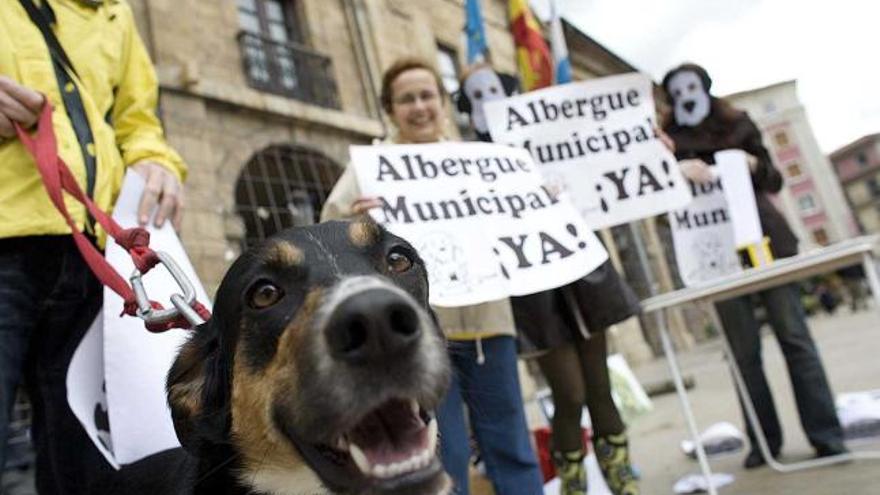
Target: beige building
(263,98)
(857,165)
(812,199)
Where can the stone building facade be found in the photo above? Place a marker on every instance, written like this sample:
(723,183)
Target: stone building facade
(263,98)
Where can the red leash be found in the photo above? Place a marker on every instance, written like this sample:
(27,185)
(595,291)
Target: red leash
(58,178)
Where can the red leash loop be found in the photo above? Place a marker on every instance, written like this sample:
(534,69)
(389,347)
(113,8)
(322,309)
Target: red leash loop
(57,178)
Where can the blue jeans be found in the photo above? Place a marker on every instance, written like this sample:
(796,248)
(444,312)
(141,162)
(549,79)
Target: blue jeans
(494,402)
(48,299)
(815,403)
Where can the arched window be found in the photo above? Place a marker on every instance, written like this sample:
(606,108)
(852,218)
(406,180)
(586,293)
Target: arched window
(282,186)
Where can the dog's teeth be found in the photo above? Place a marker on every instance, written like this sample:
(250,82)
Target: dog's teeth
(446,490)
(381,471)
(359,458)
(414,406)
(432,435)
(341,444)
(425,458)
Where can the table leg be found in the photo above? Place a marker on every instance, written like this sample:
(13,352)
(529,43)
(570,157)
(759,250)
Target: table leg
(672,360)
(752,416)
(870,266)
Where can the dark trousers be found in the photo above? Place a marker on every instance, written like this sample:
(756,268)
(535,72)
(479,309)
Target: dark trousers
(48,300)
(813,395)
(494,402)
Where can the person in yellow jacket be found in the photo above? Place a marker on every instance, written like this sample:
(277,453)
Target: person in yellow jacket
(480,337)
(85,59)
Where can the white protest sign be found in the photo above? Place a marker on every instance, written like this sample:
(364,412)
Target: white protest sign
(86,393)
(702,234)
(722,217)
(135,361)
(481,217)
(597,140)
(733,168)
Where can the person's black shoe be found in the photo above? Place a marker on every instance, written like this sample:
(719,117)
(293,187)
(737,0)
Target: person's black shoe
(831,450)
(755,459)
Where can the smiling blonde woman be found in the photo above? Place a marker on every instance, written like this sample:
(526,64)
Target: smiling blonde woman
(480,337)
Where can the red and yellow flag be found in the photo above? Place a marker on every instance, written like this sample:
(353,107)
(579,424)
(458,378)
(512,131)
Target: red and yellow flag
(532,53)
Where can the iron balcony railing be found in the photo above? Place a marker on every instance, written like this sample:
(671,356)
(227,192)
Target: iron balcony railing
(288,69)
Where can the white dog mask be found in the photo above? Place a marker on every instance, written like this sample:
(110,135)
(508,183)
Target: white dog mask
(482,86)
(691,101)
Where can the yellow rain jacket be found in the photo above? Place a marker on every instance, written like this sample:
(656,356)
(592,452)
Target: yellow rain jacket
(119,90)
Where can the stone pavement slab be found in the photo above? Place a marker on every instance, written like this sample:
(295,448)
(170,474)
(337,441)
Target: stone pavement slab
(850,347)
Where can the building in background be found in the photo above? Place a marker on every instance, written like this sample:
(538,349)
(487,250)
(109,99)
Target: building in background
(812,199)
(858,169)
(264,97)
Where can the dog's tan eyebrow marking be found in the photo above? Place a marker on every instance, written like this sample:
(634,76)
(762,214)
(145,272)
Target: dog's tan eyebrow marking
(284,254)
(363,233)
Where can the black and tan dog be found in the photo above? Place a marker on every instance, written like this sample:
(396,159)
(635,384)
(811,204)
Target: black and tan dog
(316,373)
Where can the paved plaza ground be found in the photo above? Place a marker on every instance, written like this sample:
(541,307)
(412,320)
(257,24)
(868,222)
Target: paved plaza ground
(850,346)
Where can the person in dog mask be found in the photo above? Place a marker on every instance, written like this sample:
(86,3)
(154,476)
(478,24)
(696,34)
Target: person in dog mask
(479,84)
(480,337)
(700,125)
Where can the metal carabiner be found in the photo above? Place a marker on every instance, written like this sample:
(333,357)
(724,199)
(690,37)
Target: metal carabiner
(182,304)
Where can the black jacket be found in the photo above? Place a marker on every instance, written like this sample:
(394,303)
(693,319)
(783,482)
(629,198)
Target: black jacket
(707,138)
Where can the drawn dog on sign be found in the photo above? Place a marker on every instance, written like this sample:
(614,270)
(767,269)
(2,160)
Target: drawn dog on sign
(317,373)
(714,257)
(101,420)
(446,264)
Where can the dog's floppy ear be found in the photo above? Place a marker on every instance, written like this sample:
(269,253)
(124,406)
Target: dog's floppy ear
(195,388)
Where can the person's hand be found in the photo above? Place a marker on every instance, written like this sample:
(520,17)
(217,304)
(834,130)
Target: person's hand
(17,104)
(363,204)
(696,170)
(665,139)
(162,188)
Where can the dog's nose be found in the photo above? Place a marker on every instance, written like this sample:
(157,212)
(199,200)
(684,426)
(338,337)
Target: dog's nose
(371,326)
(689,105)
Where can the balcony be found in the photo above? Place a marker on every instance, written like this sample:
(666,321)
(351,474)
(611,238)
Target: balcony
(288,69)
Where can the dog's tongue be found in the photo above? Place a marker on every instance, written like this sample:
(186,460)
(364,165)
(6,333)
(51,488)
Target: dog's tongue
(392,433)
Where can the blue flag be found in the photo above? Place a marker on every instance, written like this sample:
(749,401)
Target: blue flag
(475,32)
(560,50)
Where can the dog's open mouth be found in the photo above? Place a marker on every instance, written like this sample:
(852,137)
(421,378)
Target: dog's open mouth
(396,440)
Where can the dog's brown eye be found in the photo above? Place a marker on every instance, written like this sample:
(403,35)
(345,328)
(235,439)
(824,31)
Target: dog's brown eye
(265,295)
(399,262)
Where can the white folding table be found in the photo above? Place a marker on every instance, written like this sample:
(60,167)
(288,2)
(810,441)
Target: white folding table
(847,253)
